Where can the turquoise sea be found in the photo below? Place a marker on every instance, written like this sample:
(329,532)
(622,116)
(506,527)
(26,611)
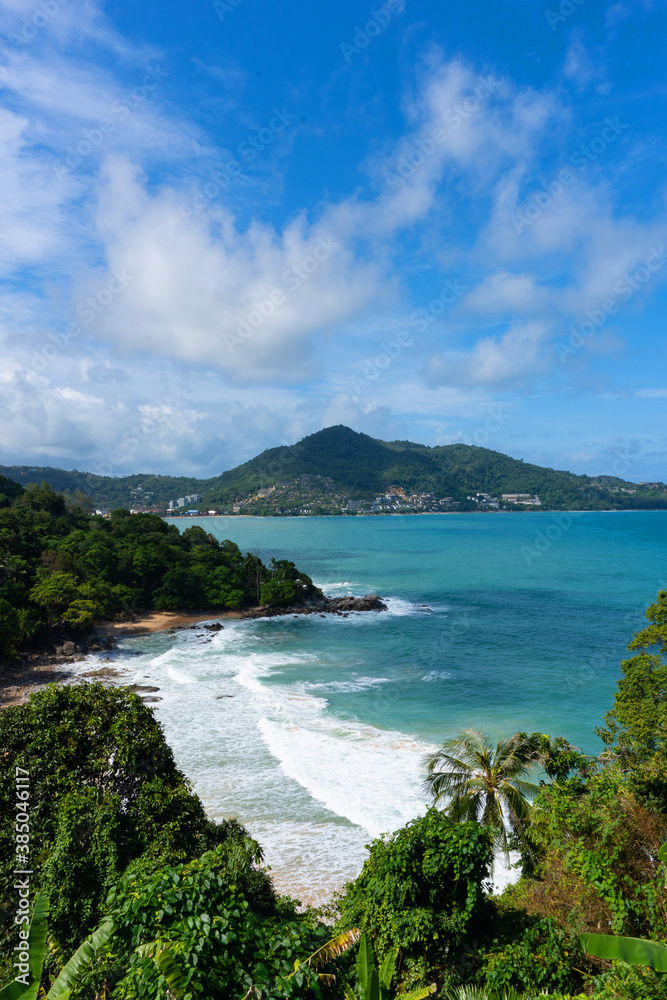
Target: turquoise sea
(312,730)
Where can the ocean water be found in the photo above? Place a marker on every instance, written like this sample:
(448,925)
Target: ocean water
(312,730)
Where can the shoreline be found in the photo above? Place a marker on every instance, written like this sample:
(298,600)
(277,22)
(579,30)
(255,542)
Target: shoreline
(34,671)
(159,621)
(407,513)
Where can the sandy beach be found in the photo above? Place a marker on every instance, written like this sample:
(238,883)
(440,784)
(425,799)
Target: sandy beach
(34,671)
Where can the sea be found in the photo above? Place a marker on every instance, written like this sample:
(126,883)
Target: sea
(312,730)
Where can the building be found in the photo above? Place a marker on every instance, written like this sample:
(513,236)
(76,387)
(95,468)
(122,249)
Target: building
(523,498)
(180,502)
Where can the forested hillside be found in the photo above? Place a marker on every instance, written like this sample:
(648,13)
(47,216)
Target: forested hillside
(357,465)
(62,569)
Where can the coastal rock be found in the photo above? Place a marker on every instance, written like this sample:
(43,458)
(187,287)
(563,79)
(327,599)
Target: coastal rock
(69,649)
(215,627)
(328,605)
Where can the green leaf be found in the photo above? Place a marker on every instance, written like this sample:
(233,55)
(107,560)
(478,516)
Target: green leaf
(36,947)
(388,968)
(634,951)
(662,853)
(81,960)
(418,994)
(365,963)
(164,957)
(373,986)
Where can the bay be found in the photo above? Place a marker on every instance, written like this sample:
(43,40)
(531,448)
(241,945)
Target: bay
(312,730)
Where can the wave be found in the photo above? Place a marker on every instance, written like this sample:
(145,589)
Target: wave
(344,687)
(437,675)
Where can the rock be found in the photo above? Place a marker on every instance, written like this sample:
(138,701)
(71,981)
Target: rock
(219,696)
(216,627)
(95,648)
(69,649)
(142,687)
(147,698)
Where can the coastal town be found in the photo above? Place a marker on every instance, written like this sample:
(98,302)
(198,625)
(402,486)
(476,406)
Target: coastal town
(314,495)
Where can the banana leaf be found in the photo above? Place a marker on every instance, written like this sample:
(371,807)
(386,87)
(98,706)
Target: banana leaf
(388,968)
(365,964)
(81,960)
(634,951)
(332,949)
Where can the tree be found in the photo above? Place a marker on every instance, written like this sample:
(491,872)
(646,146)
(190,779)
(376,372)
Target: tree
(54,593)
(636,726)
(487,784)
(422,890)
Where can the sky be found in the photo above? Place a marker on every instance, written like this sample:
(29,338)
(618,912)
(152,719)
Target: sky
(227,224)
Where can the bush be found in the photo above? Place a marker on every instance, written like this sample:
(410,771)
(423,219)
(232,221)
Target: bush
(422,890)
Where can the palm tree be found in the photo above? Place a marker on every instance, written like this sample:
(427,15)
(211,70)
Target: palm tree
(484,783)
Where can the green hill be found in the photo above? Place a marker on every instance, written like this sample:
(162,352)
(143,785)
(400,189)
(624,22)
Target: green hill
(337,464)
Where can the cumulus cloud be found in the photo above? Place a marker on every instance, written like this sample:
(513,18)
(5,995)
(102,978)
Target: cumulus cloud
(515,357)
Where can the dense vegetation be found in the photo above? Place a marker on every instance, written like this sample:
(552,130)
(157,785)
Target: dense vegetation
(117,833)
(116,830)
(61,570)
(363,466)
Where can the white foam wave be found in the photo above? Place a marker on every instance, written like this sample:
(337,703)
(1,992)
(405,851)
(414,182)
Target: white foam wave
(343,687)
(437,675)
(368,776)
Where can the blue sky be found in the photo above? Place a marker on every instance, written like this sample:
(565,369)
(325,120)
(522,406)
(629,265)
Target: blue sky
(228,224)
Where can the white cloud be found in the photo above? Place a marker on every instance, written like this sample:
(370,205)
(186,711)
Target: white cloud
(515,357)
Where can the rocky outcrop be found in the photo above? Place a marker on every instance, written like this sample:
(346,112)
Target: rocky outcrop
(320,606)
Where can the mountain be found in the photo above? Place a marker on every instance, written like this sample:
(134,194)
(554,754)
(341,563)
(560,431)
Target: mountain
(337,464)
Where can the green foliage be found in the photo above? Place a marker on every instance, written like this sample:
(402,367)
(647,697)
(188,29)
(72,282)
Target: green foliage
(106,798)
(633,951)
(374,983)
(636,726)
(595,849)
(62,570)
(539,958)
(422,891)
(191,925)
(73,971)
(486,783)
(363,465)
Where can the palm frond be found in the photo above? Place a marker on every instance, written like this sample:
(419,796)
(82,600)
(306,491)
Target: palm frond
(332,949)
(420,993)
